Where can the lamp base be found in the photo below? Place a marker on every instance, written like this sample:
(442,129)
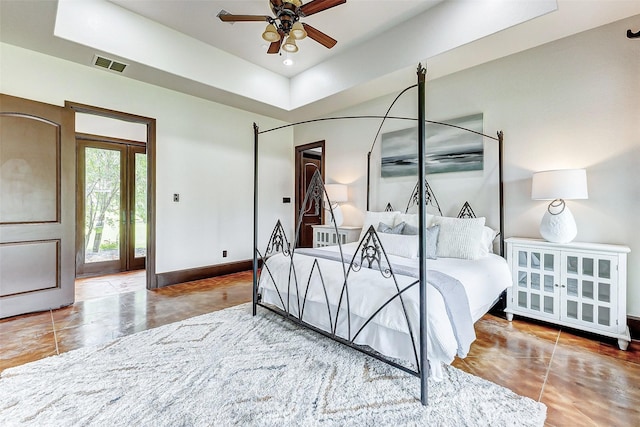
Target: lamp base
(558,227)
(337,215)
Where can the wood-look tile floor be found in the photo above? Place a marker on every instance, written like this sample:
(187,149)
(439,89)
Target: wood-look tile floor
(584,380)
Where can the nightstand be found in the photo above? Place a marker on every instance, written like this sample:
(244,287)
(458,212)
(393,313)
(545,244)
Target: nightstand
(578,285)
(325,235)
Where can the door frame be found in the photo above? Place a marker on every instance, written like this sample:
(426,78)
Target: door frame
(150,123)
(299,169)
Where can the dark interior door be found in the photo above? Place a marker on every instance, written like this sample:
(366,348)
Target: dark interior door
(309,159)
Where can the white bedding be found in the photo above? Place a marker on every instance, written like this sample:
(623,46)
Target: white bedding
(483,279)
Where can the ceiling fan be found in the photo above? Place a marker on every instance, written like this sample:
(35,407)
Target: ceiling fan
(286,26)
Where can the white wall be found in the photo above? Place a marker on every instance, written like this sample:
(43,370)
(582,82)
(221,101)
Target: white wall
(204,153)
(573,103)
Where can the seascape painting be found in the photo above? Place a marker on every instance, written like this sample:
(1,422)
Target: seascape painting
(449,149)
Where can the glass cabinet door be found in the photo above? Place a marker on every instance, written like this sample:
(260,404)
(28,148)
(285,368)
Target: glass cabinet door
(589,291)
(537,275)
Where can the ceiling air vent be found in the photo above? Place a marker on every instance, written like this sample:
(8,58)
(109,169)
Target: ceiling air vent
(109,64)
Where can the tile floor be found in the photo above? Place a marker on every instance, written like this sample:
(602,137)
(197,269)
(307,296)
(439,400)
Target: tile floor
(584,380)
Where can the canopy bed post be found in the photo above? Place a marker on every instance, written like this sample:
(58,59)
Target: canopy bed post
(422,223)
(501,189)
(368,177)
(255,218)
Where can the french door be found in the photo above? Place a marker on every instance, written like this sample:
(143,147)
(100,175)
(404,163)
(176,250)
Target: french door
(111,207)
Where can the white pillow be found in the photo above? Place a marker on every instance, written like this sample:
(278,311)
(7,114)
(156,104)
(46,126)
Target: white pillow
(412,219)
(399,245)
(486,245)
(375,218)
(460,237)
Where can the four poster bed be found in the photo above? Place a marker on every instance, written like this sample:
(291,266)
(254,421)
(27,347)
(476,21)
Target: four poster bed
(407,292)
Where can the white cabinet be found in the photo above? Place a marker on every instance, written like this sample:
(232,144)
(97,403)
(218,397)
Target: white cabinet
(325,235)
(579,285)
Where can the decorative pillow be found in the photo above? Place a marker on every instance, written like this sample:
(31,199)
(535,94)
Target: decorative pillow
(486,245)
(412,219)
(431,251)
(460,237)
(396,229)
(409,230)
(399,245)
(407,245)
(375,218)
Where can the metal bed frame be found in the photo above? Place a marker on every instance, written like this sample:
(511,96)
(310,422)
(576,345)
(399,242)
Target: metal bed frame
(370,252)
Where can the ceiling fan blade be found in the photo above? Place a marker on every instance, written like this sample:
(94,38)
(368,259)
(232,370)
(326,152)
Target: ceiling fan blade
(316,6)
(242,18)
(274,47)
(319,36)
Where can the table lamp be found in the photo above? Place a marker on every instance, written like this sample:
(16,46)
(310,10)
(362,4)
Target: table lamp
(337,193)
(558,224)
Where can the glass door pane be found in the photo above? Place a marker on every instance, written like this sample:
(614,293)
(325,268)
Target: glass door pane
(102,204)
(138,214)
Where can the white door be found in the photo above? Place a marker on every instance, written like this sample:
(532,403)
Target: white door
(537,276)
(37,206)
(590,291)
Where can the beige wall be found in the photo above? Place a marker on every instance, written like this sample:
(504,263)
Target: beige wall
(573,103)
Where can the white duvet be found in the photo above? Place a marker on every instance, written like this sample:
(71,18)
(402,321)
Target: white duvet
(483,279)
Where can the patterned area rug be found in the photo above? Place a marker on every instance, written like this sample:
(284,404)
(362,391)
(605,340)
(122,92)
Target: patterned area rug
(229,368)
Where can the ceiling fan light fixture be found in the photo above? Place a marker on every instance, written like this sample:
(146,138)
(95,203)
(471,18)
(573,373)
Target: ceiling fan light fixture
(290,45)
(271,34)
(297,31)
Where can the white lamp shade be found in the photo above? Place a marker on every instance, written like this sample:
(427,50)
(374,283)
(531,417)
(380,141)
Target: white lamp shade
(290,45)
(337,193)
(559,184)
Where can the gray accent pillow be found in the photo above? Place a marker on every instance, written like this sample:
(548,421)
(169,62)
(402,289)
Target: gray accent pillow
(431,251)
(396,229)
(409,230)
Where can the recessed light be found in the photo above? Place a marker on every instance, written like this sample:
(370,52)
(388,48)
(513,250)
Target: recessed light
(288,62)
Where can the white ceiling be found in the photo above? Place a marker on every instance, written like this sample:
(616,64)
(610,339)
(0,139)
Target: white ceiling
(182,45)
(198,19)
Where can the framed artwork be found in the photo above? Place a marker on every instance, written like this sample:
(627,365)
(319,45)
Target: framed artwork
(449,149)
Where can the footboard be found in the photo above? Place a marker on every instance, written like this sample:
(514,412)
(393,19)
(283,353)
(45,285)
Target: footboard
(346,296)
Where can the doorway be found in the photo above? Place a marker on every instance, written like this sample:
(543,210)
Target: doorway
(309,158)
(131,143)
(111,206)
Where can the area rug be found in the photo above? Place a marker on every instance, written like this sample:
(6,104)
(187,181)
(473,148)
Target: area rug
(229,368)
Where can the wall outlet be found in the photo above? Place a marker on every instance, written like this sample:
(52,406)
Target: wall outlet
(176,197)
(224,254)
(286,200)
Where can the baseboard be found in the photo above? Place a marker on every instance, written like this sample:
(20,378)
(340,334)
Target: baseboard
(634,327)
(181,276)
